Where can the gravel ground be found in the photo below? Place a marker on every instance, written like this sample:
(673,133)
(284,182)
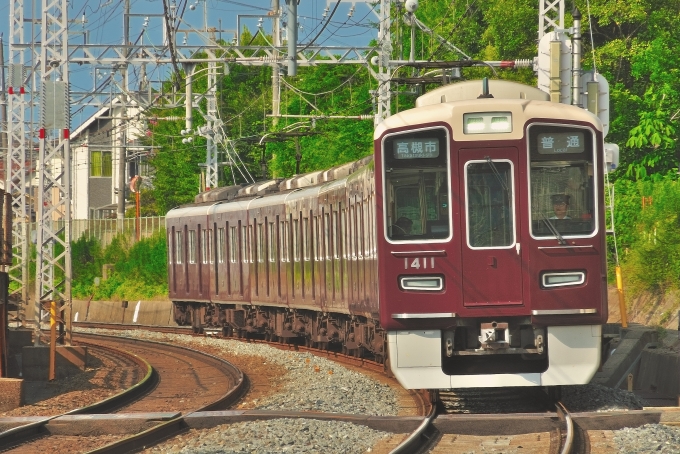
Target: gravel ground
(650,438)
(579,398)
(339,391)
(104,377)
(276,436)
(310,384)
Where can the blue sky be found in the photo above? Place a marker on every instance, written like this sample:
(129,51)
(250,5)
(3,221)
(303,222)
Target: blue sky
(104,24)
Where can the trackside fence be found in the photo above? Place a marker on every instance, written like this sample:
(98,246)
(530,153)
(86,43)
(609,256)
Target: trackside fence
(105,230)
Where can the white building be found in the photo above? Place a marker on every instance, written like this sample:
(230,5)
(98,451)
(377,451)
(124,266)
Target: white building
(96,150)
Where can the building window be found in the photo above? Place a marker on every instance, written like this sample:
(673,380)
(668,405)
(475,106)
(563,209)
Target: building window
(100,164)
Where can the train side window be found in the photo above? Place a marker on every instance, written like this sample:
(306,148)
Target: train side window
(207,246)
(244,243)
(284,229)
(417,186)
(179,247)
(489,200)
(260,242)
(233,239)
(562,181)
(327,236)
(336,236)
(343,233)
(171,246)
(351,232)
(305,238)
(221,244)
(272,242)
(296,240)
(192,246)
(316,239)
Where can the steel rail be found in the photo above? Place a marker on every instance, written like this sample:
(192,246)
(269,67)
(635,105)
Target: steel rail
(417,440)
(24,433)
(564,415)
(173,427)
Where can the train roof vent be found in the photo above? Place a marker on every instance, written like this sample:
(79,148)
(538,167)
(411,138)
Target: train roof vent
(338,172)
(260,188)
(218,194)
(302,181)
(472,89)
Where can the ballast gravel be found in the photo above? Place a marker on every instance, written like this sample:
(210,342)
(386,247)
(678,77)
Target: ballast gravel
(333,388)
(650,438)
(580,398)
(312,383)
(276,436)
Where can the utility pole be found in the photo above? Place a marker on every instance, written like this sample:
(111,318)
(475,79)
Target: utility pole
(292,37)
(276,76)
(3,100)
(122,151)
(384,72)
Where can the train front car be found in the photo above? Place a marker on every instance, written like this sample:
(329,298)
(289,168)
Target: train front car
(491,239)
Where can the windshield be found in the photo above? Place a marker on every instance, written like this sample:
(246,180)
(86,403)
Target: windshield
(562,181)
(489,201)
(417,185)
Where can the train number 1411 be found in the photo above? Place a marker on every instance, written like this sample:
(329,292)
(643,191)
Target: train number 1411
(418,262)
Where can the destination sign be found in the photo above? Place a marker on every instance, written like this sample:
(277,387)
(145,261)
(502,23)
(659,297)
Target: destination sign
(427,147)
(561,142)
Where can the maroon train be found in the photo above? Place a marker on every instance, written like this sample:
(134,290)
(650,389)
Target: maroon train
(469,251)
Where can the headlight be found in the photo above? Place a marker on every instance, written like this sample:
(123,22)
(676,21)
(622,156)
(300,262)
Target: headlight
(563,279)
(487,123)
(421,283)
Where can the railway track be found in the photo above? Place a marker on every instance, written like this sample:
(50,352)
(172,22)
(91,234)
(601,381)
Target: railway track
(175,378)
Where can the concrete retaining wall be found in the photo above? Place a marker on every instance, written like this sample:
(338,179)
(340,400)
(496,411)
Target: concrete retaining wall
(69,361)
(659,372)
(158,313)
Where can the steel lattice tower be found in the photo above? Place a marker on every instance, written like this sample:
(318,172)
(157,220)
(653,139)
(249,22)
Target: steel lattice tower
(53,263)
(19,141)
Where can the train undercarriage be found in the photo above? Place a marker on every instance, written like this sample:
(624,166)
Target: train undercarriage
(349,334)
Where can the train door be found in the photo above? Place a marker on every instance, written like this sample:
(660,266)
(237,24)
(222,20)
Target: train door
(491,247)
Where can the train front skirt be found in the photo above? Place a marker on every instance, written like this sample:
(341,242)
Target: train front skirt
(416,359)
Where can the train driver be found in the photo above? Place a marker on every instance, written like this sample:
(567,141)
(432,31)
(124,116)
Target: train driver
(402,227)
(560,206)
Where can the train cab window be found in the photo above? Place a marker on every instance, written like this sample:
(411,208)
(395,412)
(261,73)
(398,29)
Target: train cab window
(417,185)
(221,244)
(179,247)
(192,246)
(489,202)
(562,181)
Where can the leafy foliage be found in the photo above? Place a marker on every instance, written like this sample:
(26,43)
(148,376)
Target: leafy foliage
(139,272)
(651,242)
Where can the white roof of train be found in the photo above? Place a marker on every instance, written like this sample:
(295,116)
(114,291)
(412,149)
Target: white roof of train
(448,104)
